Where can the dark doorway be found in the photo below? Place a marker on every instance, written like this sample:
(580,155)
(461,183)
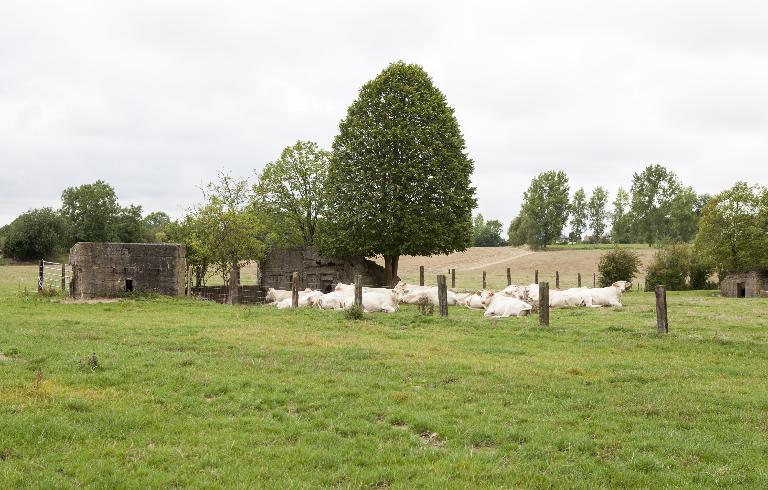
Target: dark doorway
(741,290)
(129,285)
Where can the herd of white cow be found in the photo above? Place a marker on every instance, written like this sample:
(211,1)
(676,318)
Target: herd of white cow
(514,300)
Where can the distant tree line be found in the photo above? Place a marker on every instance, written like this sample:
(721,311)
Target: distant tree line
(88,213)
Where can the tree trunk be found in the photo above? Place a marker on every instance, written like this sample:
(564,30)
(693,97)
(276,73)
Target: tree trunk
(390,269)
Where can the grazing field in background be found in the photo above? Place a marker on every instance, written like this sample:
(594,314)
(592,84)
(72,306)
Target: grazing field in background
(159,392)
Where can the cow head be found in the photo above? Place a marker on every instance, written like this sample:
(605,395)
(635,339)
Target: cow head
(622,286)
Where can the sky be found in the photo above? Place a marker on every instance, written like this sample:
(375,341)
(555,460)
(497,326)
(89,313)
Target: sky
(157,97)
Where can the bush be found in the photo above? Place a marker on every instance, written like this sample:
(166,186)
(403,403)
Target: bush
(678,267)
(354,312)
(670,267)
(619,264)
(36,234)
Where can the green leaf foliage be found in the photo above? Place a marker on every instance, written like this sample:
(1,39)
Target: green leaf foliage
(597,213)
(399,179)
(290,193)
(620,264)
(36,234)
(578,211)
(545,209)
(733,232)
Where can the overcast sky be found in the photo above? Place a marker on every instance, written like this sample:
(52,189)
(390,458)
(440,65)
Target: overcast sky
(156,97)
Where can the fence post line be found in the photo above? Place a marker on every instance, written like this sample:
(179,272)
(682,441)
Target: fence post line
(578,278)
(421,275)
(358,290)
(295,290)
(40,275)
(63,278)
(594,279)
(662,321)
(557,279)
(442,295)
(453,278)
(536,276)
(509,276)
(484,281)
(544,304)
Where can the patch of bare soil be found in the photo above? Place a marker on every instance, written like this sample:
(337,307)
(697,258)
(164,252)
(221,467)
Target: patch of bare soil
(92,301)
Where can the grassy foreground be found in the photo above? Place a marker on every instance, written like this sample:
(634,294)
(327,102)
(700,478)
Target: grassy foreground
(189,393)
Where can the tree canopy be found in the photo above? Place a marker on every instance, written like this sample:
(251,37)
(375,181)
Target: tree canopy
(597,214)
(399,179)
(487,233)
(733,232)
(96,215)
(36,234)
(579,215)
(290,192)
(545,209)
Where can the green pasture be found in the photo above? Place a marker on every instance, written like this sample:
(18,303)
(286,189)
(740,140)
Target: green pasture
(158,392)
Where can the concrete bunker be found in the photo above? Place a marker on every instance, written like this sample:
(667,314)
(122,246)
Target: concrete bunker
(109,269)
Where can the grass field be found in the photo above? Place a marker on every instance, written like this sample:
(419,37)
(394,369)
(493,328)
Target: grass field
(194,394)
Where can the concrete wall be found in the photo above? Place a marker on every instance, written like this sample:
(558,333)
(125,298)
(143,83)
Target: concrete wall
(754,283)
(102,269)
(316,272)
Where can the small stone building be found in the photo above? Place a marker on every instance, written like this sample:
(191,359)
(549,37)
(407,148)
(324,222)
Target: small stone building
(106,269)
(316,272)
(748,284)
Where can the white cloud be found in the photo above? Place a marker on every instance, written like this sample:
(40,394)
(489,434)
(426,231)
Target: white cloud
(156,97)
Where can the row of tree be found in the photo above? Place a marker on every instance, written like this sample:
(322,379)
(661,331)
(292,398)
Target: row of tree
(88,213)
(657,208)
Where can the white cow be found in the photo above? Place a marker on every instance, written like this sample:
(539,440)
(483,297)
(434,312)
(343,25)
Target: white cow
(515,291)
(608,296)
(477,300)
(374,301)
(426,294)
(333,300)
(306,298)
(275,295)
(502,306)
(461,298)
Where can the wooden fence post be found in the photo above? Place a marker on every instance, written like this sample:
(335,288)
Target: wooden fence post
(234,287)
(453,278)
(557,279)
(63,278)
(536,276)
(594,279)
(295,290)
(358,290)
(544,304)
(421,275)
(662,322)
(40,275)
(578,278)
(484,282)
(442,295)
(509,276)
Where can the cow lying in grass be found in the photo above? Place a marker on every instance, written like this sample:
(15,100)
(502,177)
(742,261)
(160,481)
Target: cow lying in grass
(593,297)
(503,306)
(412,294)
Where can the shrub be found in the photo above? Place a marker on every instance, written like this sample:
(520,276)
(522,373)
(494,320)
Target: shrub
(354,312)
(677,266)
(670,267)
(619,264)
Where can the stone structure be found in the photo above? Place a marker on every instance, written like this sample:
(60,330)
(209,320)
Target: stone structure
(106,269)
(748,284)
(316,272)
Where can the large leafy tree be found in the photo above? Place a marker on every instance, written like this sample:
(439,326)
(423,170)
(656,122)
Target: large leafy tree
(662,208)
(545,208)
(36,234)
(597,213)
(290,192)
(92,209)
(96,215)
(733,231)
(578,215)
(487,233)
(229,231)
(399,179)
